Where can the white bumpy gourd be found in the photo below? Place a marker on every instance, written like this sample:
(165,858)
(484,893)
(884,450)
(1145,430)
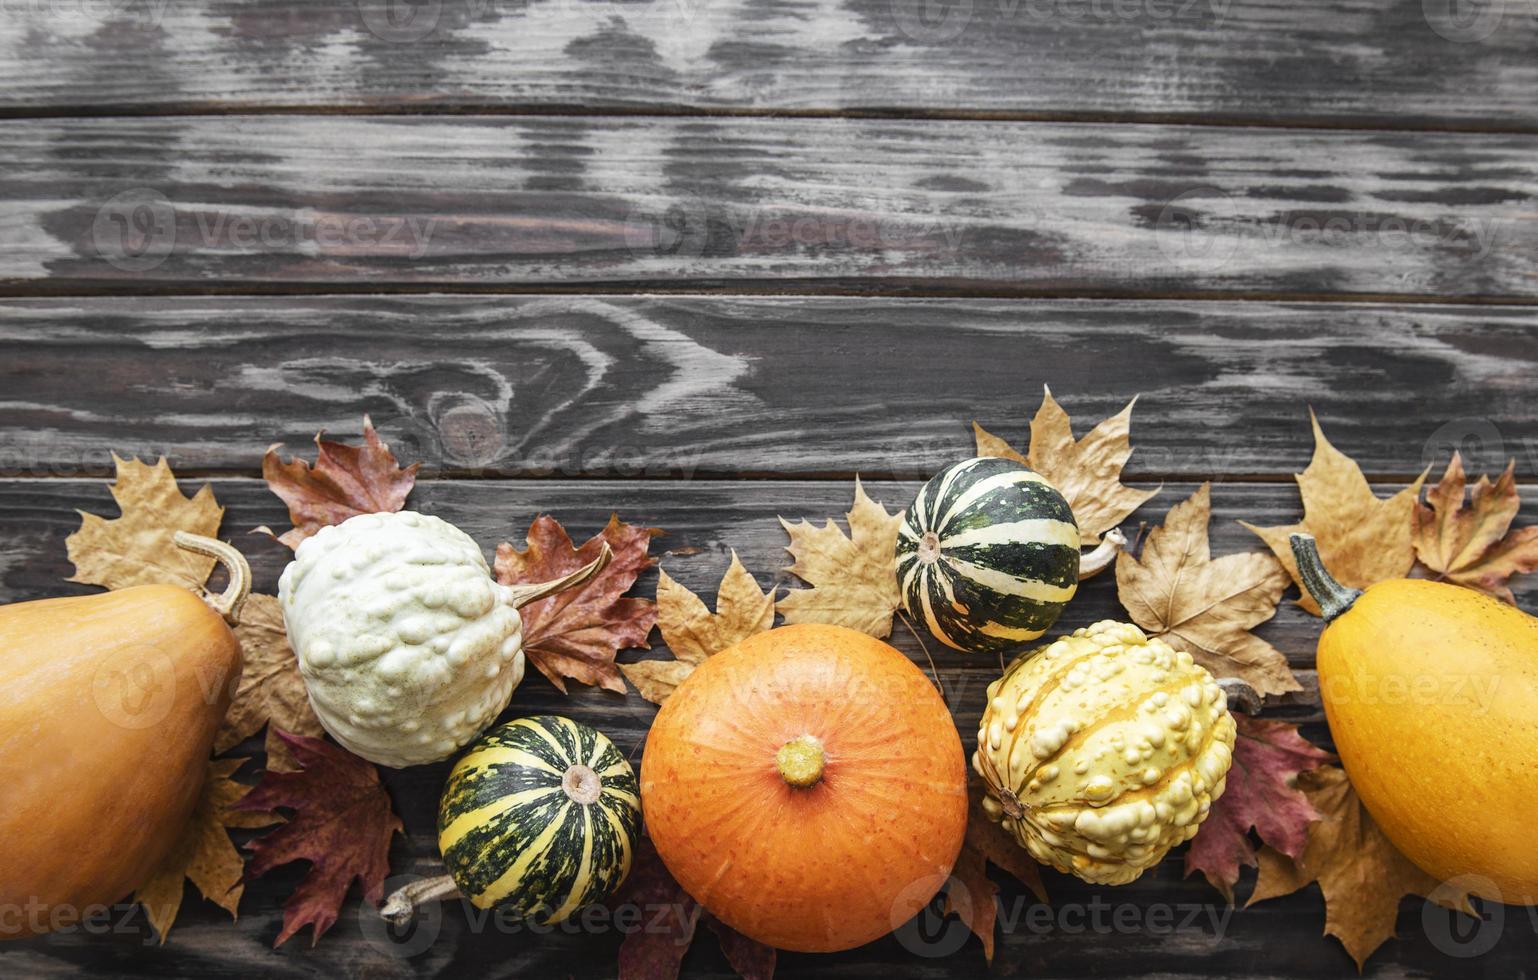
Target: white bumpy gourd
(1103,750)
(407,645)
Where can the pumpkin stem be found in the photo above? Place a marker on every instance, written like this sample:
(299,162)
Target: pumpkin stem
(522,595)
(403,903)
(1333,598)
(1241,696)
(801,760)
(229,603)
(582,784)
(1104,555)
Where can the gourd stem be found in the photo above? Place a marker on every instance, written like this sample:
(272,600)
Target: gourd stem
(230,602)
(403,903)
(1104,555)
(801,761)
(1241,696)
(1333,598)
(522,595)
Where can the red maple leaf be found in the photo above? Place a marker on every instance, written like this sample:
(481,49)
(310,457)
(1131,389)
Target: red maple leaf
(575,634)
(344,482)
(342,824)
(668,920)
(1261,793)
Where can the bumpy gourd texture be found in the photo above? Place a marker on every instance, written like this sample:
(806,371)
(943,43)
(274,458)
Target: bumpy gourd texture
(1103,750)
(408,647)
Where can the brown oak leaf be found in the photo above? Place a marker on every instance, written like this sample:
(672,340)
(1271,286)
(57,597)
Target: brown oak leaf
(693,632)
(1262,794)
(344,482)
(1362,539)
(971,893)
(271,691)
(575,634)
(1087,472)
(139,547)
(1361,874)
(670,918)
(853,578)
(1174,589)
(1474,546)
(342,824)
(205,854)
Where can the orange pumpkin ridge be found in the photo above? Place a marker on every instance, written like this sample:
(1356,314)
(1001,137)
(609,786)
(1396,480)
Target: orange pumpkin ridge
(808,786)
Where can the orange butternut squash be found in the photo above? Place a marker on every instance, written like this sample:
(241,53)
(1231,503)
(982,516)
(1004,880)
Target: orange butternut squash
(808,786)
(108,708)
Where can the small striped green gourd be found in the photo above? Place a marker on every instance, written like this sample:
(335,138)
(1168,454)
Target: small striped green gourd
(540,818)
(987,555)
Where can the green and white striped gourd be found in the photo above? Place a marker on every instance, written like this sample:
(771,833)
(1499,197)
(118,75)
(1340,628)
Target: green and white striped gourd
(540,817)
(987,555)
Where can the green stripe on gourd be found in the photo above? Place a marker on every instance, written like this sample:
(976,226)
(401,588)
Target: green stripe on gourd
(540,818)
(987,555)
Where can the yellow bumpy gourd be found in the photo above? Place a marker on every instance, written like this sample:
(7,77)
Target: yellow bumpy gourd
(1103,750)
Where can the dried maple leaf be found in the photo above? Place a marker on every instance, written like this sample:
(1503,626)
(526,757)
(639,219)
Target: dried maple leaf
(1361,874)
(671,919)
(344,482)
(204,854)
(987,841)
(138,548)
(1362,538)
(1474,547)
(1086,472)
(854,578)
(693,632)
(342,825)
(1261,793)
(1175,590)
(575,634)
(271,692)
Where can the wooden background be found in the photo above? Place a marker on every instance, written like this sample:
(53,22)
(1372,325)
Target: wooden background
(702,261)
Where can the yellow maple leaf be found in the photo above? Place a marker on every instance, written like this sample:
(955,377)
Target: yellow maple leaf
(1175,590)
(693,632)
(271,691)
(853,577)
(1362,539)
(1087,472)
(1362,875)
(138,548)
(205,854)
(1474,546)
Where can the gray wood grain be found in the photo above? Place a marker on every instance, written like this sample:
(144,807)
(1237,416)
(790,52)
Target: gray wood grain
(658,387)
(1280,938)
(775,204)
(1402,62)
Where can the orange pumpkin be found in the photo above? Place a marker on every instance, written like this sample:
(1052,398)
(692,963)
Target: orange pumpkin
(108,708)
(807,786)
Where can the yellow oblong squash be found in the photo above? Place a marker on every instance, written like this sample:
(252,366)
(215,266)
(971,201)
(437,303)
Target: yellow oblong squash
(109,705)
(1431,692)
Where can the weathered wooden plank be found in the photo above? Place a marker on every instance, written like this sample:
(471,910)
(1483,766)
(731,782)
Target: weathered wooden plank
(1190,935)
(823,204)
(1345,61)
(570,386)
